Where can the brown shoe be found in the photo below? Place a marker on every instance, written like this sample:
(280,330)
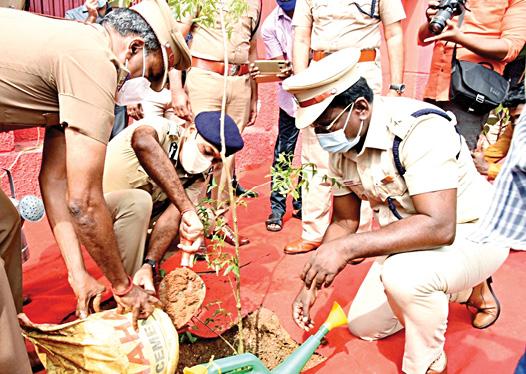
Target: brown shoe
(485,303)
(300,246)
(439,366)
(228,236)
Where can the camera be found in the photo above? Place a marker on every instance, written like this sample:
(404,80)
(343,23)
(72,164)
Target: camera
(447,9)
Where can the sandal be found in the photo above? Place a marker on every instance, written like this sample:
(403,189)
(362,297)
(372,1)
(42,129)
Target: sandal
(274,222)
(484,315)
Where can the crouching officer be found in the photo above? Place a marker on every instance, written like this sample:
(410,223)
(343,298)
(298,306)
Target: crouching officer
(405,157)
(167,161)
(65,76)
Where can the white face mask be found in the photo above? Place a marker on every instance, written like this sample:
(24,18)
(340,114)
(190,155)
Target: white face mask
(134,90)
(192,160)
(337,141)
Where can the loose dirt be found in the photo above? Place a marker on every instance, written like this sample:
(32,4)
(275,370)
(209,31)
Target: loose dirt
(263,336)
(181,292)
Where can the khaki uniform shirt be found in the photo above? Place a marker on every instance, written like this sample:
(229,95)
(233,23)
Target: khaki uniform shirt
(342,24)
(428,153)
(122,169)
(56,71)
(207,43)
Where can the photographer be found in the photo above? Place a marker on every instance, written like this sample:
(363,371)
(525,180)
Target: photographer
(492,33)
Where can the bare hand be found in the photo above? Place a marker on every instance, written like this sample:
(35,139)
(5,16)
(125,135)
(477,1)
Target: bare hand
(286,70)
(140,302)
(253,71)
(93,13)
(88,292)
(191,227)
(253,113)
(135,111)
(432,9)
(480,163)
(301,308)
(144,278)
(324,265)
(181,104)
(191,247)
(451,33)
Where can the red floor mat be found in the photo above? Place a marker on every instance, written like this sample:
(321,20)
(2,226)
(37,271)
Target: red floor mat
(270,278)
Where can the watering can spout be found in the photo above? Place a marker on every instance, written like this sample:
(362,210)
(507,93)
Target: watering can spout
(336,317)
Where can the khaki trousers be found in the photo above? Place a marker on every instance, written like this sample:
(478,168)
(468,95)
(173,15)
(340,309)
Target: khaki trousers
(131,211)
(412,290)
(316,194)
(205,90)
(13,356)
(10,248)
(159,104)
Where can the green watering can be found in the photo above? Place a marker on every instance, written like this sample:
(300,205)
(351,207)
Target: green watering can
(248,363)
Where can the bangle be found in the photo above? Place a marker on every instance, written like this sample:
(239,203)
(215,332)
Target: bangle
(126,291)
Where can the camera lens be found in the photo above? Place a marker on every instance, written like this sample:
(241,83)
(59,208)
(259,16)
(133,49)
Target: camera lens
(437,25)
(438,22)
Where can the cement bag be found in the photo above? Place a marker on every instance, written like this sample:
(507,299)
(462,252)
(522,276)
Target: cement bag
(106,343)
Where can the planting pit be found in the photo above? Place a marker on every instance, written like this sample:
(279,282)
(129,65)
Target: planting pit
(263,336)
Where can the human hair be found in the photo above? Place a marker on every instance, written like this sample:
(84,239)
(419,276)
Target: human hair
(128,22)
(359,89)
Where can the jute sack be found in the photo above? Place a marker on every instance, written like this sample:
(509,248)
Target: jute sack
(107,343)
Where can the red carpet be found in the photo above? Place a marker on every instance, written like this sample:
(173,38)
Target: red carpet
(270,278)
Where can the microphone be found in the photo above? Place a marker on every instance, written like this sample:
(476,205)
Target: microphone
(31,208)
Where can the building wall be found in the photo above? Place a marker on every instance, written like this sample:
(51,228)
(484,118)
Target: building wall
(20,150)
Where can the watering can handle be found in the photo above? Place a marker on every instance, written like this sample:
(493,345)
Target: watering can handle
(228,364)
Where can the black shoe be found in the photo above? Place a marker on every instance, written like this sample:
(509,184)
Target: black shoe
(241,191)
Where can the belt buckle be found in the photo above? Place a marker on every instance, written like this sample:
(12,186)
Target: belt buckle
(233,69)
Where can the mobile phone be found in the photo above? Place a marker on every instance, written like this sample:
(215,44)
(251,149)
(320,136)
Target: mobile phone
(270,66)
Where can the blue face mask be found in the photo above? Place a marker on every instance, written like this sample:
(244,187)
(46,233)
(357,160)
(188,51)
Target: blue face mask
(336,141)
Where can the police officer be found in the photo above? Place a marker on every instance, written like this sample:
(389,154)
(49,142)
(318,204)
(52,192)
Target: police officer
(322,27)
(207,71)
(405,157)
(143,157)
(64,76)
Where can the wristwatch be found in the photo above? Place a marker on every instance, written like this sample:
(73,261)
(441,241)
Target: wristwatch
(152,263)
(399,88)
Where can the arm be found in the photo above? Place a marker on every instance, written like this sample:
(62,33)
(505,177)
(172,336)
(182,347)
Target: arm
(180,99)
(91,6)
(394,37)
(93,223)
(53,186)
(495,49)
(345,221)
(156,163)
(506,48)
(253,56)
(432,226)
(301,48)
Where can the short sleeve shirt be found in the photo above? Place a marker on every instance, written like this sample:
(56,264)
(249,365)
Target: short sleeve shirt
(428,152)
(122,169)
(342,24)
(207,42)
(56,71)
